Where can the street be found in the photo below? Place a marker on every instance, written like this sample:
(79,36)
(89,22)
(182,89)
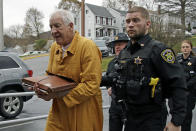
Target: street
(37,107)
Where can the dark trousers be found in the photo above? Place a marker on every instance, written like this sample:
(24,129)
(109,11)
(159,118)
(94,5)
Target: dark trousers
(147,121)
(186,126)
(115,117)
(137,120)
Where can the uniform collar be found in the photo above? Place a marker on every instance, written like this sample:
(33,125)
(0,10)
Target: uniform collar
(144,40)
(188,58)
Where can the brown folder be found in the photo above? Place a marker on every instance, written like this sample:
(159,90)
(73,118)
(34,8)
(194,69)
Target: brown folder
(50,83)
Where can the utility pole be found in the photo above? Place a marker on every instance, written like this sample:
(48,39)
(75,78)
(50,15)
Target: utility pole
(83,18)
(1,26)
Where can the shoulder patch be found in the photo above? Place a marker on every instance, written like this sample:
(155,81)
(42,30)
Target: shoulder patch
(168,56)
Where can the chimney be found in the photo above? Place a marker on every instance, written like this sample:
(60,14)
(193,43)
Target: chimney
(130,4)
(159,9)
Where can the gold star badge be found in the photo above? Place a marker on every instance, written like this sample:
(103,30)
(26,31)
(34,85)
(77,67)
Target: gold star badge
(189,64)
(138,60)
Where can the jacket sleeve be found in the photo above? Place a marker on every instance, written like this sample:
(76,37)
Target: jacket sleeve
(192,82)
(173,81)
(90,76)
(104,81)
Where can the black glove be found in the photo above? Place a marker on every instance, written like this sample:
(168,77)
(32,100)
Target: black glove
(106,81)
(119,88)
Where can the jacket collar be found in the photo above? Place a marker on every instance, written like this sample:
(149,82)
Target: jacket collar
(72,47)
(143,41)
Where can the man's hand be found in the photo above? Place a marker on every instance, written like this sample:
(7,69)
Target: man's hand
(110,91)
(47,96)
(171,127)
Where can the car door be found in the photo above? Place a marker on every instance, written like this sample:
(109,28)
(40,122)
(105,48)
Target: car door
(8,70)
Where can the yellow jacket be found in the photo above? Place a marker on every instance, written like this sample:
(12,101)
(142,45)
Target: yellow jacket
(81,108)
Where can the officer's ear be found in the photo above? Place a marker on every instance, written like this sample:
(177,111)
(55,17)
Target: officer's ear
(148,23)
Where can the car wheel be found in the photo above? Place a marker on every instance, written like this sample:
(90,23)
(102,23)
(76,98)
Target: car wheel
(11,106)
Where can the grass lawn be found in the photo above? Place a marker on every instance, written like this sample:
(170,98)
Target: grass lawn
(105,62)
(177,46)
(193,39)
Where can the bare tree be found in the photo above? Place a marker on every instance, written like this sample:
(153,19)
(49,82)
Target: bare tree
(72,5)
(186,8)
(14,31)
(111,4)
(148,4)
(119,4)
(27,31)
(33,21)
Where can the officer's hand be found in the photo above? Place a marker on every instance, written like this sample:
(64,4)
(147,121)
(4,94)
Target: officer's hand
(171,127)
(110,91)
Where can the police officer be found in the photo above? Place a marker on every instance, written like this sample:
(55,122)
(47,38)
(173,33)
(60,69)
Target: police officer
(152,74)
(188,61)
(115,111)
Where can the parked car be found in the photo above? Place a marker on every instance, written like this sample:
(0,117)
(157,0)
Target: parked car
(194,49)
(188,34)
(193,31)
(102,46)
(12,70)
(33,53)
(27,53)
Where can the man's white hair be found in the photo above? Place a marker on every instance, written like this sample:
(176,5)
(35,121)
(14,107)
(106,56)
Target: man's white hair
(66,15)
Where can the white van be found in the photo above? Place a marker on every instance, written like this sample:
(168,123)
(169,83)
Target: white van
(193,31)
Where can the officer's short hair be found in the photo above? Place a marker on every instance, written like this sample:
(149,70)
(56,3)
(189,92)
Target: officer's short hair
(143,11)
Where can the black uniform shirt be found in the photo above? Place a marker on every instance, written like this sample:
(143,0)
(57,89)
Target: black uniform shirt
(189,66)
(164,66)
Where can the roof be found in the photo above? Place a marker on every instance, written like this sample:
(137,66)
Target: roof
(99,11)
(120,11)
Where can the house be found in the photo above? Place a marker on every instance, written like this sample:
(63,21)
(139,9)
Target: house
(99,22)
(120,19)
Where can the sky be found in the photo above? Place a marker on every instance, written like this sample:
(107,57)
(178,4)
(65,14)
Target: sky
(14,10)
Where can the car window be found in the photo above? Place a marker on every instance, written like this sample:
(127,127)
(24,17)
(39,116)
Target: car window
(7,62)
(100,43)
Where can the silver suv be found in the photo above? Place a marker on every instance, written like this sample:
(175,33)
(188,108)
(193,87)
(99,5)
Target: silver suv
(12,70)
(102,46)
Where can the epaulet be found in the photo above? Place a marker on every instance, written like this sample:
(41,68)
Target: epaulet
(158,44)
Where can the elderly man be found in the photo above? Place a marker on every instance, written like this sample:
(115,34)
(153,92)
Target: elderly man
(77,58)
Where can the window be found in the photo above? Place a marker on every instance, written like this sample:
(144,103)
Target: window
(7,62)
(89,32)
(106,21)
(96,19)
(109,21)
(86,11)
(114,32)
(101,20)
(97,34)
(75,21)
(101,32)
